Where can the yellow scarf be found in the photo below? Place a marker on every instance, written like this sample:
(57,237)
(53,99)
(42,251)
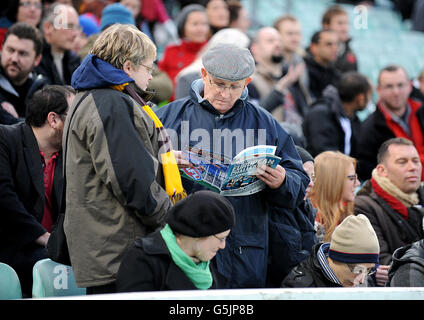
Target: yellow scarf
(173,184)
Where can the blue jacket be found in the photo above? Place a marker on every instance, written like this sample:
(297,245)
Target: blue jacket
(244,260)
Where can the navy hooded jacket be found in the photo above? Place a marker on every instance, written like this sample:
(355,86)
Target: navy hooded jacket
(194,121)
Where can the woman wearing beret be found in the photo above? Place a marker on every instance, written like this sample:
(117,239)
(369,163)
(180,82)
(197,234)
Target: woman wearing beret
(178,256)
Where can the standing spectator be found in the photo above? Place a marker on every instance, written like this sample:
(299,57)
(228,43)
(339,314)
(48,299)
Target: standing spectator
(407,269)
(20,55)
(348,260)
(332,123)
(333,192)
(291,233)
(178,256)
(219,103)
(193,30)
(29,11)
(396,115)
(31,180)
(393,197)
(117,190)
(337,19)
(60,28)
(270,85)
(218,15)
(320,62)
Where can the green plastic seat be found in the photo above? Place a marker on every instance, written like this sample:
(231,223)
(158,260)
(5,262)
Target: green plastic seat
(52,279)
(10,286)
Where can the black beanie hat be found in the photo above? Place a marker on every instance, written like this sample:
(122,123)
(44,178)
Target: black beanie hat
(201,214)
(181,19)
(304,155)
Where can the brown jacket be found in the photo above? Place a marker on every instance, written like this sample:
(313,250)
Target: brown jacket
(115,185)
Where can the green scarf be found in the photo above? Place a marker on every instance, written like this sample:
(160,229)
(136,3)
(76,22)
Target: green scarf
(199,274)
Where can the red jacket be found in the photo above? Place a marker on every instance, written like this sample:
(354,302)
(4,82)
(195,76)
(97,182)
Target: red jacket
(178,56)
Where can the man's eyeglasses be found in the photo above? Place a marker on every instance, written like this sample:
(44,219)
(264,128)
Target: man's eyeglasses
(358,269)
(28,4)
(149,69)
(220,87)
(220,239)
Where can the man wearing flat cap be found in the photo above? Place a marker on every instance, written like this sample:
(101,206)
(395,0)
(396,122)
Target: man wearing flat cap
(218,117)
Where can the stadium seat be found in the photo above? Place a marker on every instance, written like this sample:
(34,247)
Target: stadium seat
(10,286)
(52,279)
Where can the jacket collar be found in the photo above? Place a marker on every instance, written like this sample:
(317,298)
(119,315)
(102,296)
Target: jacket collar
(33,158)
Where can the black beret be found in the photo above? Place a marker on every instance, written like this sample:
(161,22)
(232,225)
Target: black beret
(201,214)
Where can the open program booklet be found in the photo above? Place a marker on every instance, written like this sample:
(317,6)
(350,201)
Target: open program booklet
(229,177)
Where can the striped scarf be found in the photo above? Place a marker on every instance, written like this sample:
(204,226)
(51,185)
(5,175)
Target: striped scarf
(173,184)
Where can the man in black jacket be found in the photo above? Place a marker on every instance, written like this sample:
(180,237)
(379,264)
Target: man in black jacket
(31,180)
(20,55)
(60,28)
(331,123)
(346,261)
(322,54)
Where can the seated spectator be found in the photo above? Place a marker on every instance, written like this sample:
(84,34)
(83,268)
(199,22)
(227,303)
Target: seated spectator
(20,55)
(270,85)
(193,72)
(135,6)
(218,15)
(178,257)
(29,11)
(31,180)
(396,115)
(333,191)
(407,269)
(320,59)
(348,260)
(193,30)
(291,234)
(332,123)
(60,27)
(336,18)
(393,198)
(239,17)
(417,92)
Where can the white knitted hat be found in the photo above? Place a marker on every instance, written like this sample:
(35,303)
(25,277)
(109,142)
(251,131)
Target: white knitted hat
(354,241)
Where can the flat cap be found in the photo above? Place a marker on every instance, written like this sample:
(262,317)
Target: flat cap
(229,62)
(201,214)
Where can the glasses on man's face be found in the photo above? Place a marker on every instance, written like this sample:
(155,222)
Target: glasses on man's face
(220,239)
(353,177)
(149,69)
(220,87)
(28,4)
(358,269)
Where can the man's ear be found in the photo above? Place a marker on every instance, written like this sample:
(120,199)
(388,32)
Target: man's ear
(37,60)
(204,73)
(52,119)
(381,170)
(248,80)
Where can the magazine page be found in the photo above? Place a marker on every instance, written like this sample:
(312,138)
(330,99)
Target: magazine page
(255,150)
(209,169)
(241,177)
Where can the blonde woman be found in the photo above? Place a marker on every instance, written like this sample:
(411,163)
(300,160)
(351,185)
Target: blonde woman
(333,191)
